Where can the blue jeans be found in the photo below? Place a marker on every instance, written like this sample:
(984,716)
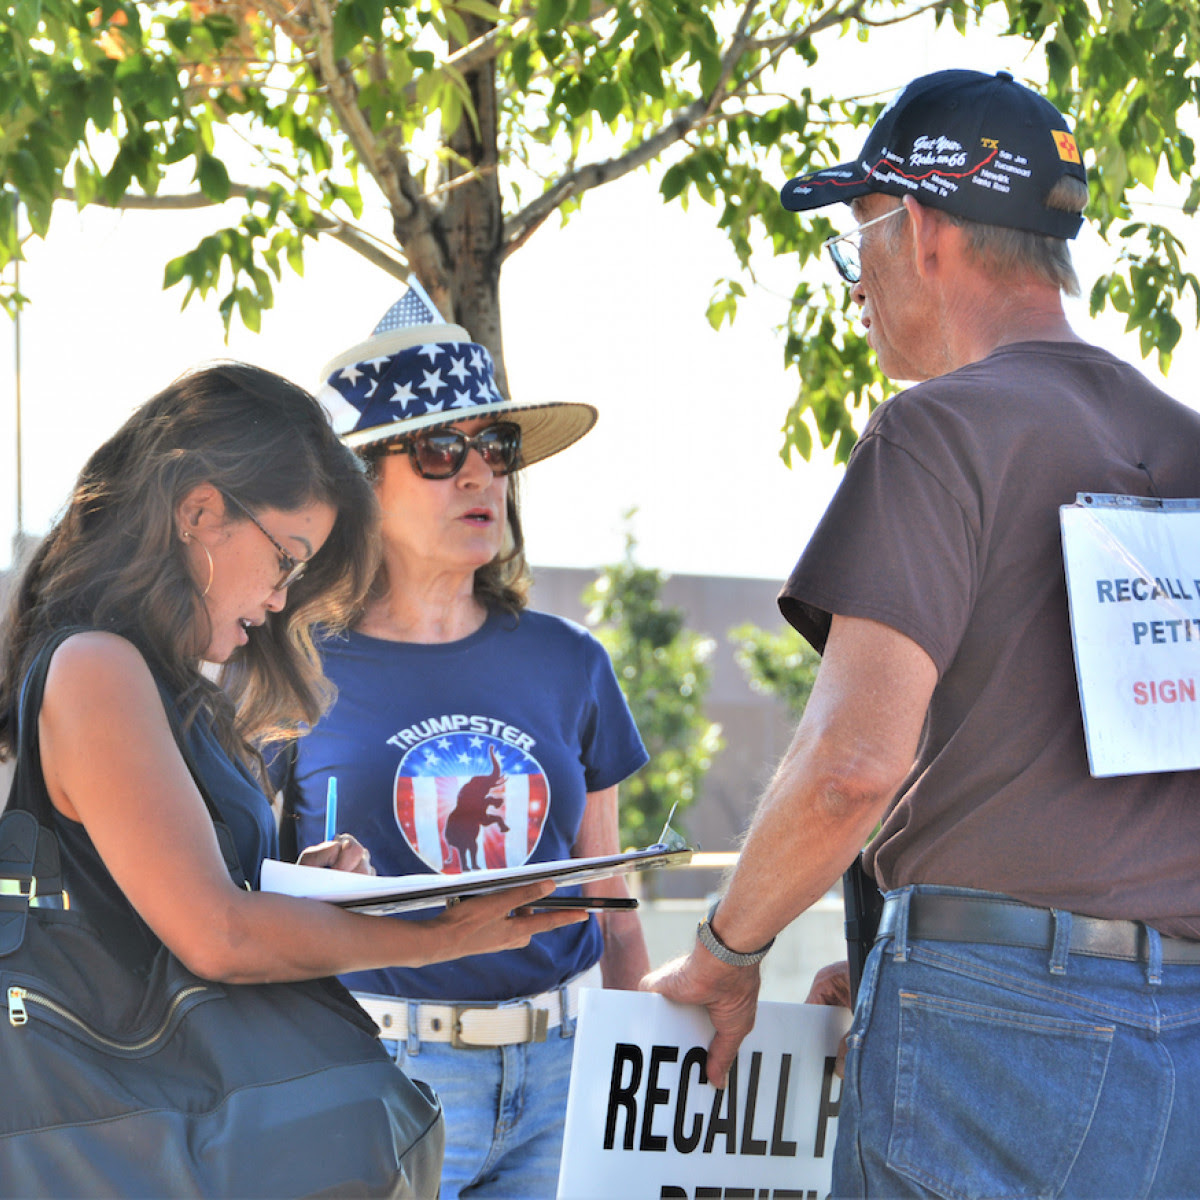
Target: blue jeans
(980,1071)
(505,1108)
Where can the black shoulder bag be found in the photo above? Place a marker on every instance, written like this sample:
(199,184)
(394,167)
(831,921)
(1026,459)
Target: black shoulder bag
(123,1084)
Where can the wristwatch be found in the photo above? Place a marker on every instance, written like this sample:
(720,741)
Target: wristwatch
(707,937)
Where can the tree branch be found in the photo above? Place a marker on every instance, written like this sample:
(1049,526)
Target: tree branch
(520,227)
(343,97)
(358,240)
(486,47)
(934,6)
(730,58)
(782,45)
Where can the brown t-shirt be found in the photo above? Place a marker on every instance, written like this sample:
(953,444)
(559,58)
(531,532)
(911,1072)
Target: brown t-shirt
(946,529)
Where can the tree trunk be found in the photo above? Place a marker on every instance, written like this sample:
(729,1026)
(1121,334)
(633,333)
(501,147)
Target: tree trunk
(470,221)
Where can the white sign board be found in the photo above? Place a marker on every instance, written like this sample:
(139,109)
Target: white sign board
(1133,581)
(642,1124)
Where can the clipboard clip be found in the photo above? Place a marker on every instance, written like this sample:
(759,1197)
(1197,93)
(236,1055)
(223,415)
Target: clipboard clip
(669,839)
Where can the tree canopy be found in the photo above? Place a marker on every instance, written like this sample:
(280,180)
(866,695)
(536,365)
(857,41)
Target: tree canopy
(778,664)
(438,136)
(663,669)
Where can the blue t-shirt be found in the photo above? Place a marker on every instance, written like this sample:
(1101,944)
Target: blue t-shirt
(465,755)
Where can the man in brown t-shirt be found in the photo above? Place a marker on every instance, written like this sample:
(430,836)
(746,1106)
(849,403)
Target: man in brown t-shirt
(1029,1020)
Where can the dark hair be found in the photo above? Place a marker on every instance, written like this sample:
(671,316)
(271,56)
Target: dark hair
(501,585)
(114,559)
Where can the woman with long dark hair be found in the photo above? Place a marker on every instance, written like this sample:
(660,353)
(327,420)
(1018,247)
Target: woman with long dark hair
(223,523)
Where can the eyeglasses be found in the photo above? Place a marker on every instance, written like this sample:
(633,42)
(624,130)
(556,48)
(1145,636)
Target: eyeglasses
(291,568)
(844,248)
(441,455)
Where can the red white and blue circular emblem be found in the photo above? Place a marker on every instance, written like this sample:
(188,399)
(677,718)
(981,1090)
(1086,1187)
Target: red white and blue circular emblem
(469,801)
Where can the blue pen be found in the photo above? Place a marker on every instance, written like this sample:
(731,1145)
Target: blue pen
(331,809)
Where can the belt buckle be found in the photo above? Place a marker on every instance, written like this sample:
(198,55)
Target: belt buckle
(539,1022)
(539,1025)
(456,1016)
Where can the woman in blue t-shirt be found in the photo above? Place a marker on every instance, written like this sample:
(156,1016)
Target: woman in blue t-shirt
(470,733)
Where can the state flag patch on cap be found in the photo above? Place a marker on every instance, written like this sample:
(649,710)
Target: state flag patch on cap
(1068,151)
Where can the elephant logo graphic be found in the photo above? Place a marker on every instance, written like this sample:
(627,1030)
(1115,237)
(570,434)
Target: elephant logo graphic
(467,801)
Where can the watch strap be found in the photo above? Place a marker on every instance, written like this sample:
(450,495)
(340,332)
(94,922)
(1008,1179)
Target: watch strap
(707,937)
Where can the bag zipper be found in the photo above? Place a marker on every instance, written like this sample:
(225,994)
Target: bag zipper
(18,1015)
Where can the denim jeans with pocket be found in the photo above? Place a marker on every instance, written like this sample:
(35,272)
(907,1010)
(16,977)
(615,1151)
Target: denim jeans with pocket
(1003,1072)
(504,1106)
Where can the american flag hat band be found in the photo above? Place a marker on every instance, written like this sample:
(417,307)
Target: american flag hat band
(418,372)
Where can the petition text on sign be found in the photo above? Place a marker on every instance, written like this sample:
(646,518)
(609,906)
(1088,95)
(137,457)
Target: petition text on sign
(1133,583)
(642,1120)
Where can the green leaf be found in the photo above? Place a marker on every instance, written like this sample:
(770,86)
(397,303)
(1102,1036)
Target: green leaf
(674,181)
(608,99)
(249,309)
(87,185)
(175,271)
(179,32)
(550,14)
(101,101)
(481,9)
(213,178)
(577,97)
(522,64)
(457,27)
(27,15)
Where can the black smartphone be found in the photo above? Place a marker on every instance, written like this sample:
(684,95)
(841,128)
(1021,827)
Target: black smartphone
(549,902)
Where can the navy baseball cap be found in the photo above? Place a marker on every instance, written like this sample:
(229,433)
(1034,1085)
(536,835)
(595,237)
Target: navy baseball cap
(979,146)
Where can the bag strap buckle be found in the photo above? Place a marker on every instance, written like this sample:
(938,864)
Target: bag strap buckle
(19,832)
(25,888)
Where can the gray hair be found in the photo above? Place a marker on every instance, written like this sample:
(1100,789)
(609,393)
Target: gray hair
(1007,252)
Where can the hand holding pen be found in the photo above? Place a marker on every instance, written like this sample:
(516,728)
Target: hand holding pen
(343,852)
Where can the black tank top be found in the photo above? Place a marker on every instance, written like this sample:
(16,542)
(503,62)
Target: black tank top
(94,893)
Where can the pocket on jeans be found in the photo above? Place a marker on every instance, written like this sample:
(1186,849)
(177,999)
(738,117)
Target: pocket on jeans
(992,1102)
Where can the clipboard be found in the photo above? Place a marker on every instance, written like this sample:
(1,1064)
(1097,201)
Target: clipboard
(383,895)
(1133,592)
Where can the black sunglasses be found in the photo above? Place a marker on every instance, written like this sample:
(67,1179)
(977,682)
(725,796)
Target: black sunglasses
(441,454)
(291,568)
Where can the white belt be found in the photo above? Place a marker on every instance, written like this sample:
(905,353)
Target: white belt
(471,1024)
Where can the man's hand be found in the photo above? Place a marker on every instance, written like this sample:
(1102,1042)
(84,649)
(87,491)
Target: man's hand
(831,986)
(730,994)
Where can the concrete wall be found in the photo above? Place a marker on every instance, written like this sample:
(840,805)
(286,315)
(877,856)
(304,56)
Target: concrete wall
(756,728)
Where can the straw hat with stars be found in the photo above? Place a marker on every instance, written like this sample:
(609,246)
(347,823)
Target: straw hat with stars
(417,372)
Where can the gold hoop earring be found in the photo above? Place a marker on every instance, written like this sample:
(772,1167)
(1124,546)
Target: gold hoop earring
(212,569)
